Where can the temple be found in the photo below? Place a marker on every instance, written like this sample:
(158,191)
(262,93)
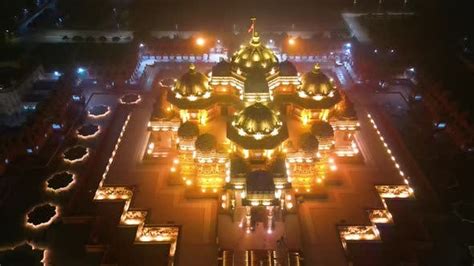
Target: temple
(253,131)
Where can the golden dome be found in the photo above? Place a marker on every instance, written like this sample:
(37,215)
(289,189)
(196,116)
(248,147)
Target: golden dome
(316,83)
(254,55)
(192,84)
(257,120)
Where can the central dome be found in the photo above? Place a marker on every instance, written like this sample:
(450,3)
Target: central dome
(257,120)
(192,84)
(254,55)
(316,83)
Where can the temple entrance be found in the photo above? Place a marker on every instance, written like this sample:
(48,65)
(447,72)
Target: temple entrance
(258,216)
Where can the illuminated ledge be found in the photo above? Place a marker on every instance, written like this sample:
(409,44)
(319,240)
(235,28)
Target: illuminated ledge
(146,233)
(394,191)
(359,232)
(164,125)
(159,234)
(347,151)
(380,216)
(113,193)
(350,125)
(133,217)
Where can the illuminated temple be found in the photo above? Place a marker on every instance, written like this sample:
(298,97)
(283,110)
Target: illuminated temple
(253,131)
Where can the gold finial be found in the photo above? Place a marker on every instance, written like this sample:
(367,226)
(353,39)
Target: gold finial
(192,67)
(253,20)
(316,68)
(255,41)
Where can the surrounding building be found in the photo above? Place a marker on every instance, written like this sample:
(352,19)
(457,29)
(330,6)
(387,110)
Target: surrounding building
(14,84)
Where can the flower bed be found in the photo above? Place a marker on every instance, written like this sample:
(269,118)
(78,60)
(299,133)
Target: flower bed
(76,154)
(99,111)
(131,98)
(88,131)
(60,181)
(42,215)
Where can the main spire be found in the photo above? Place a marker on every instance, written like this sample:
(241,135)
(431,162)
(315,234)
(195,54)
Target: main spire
(255,40)
(252,26)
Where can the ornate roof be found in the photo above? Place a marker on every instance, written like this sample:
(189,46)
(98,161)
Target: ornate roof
(192,84)
(254,55)
(256,120)
(287,69)
(256,82)
(257,127)
(308,103)
(316,84)
(221,69)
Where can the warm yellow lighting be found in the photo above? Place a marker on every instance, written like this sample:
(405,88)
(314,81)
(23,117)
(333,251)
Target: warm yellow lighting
(305,116)
(200,41)
(202,117)
(189,182)
(291,41)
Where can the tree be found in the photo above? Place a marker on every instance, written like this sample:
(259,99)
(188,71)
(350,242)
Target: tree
(322,129)
(309,143)
(188,130)
(206,143)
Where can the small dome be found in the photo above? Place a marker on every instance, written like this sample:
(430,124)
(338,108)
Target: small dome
(206,143)
(316,82)
(188,130)
(322,129)
(192,83)
(221,69)
(254,55)
(288,69)
(257,119)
